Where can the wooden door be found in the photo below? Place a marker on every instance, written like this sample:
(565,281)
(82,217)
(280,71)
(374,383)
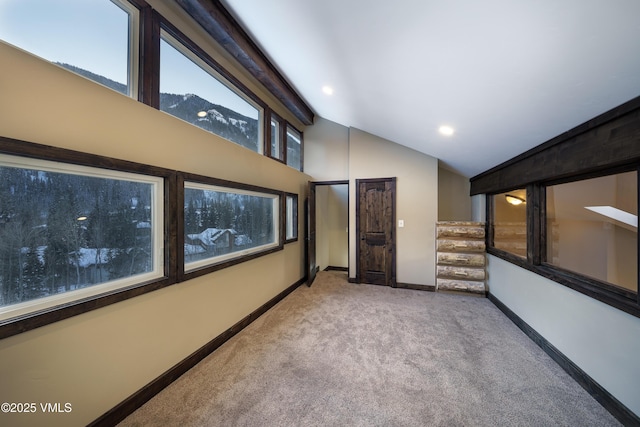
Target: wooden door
(310,207)
(375,225)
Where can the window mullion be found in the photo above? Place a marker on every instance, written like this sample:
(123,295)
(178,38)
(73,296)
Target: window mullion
(535,227)
(149,58)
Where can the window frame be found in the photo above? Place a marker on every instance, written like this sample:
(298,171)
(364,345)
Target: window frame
(43,316)
(280,156)
(288,126)
(536,262)
(144,33)
(195,54)
(182,179)
(143,83)
(133,8)
(490,232)
(605,145)
(294,219)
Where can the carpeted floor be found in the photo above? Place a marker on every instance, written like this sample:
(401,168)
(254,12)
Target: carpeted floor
(341,354)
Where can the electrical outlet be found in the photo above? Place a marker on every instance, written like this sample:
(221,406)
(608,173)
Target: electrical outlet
(401,223)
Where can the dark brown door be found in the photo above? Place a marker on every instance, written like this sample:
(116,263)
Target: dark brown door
(310,207)
(375,226)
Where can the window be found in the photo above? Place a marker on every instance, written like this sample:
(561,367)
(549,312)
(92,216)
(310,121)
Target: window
(96,39)
(69,232)
(509,222)
(592,228)
(192,91)
(294,148)
(222,223)
(276,145)
(291,210)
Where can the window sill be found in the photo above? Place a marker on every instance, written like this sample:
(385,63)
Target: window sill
(621,299)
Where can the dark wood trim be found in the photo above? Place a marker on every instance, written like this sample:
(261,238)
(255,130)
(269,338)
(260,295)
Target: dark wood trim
(149,57)
(609,402)
(312,194)
(203,179)
(332,268)
(428,288)
(534,209)
(606,145)
(285,130)
(301,151)
(139,398)
(352,280)
(182,177)
(280,157)
(339,182)
(606,141)
(226,31)
(295,220)
(33,320)
(616,297)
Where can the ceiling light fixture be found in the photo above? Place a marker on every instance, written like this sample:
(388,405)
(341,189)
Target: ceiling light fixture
(328,90)
(202,114)
(446,130)
(514,200)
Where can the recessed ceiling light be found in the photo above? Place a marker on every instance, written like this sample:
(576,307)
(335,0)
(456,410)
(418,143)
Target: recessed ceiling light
(328,90)
(446,130)
(202,114)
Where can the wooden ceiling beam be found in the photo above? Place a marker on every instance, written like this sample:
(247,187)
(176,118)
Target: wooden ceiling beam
(225,30)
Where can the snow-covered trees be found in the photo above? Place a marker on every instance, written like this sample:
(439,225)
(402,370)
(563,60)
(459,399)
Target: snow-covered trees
(60,232)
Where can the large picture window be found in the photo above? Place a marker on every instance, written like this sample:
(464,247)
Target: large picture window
(592,228)
(579,192)
(68,232)
(96,39)
(223,223)
(193,92)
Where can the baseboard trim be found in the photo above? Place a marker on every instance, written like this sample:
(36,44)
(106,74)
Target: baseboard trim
(608,401)
(139,398)
(331,268)
(428,288)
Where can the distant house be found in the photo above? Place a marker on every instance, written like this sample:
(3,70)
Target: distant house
(215,241)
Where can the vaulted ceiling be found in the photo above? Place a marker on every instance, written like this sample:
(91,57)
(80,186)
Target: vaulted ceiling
(505,75)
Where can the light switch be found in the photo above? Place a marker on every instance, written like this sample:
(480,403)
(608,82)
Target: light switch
(401,223)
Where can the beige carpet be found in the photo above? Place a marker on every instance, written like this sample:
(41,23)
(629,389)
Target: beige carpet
(341,354)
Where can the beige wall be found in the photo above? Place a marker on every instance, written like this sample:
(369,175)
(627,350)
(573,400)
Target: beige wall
(335,152)
(326,151)
(416,201)
(454,201)
(96,360)
(332,222)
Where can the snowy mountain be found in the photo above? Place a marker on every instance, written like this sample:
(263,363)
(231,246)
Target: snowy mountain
(212,117)
(193,109)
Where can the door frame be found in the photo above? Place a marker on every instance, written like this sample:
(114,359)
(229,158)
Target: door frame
(310,229)
(358,279)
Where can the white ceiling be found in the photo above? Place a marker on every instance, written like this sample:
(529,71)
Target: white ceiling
(506,74)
